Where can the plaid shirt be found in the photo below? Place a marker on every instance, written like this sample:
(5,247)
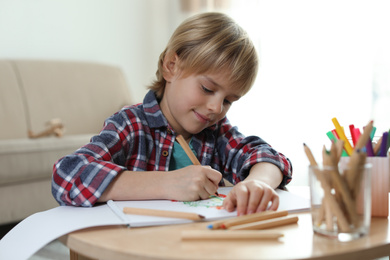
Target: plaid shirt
(139,138)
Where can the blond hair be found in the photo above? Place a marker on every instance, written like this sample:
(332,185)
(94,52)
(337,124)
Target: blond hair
(210,43)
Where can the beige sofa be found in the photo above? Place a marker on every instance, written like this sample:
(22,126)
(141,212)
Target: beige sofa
(33,92)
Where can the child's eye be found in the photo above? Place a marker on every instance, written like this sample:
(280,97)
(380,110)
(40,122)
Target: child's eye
(206,89)
(227,102)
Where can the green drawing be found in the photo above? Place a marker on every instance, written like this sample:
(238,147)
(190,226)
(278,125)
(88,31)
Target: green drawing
(213,202)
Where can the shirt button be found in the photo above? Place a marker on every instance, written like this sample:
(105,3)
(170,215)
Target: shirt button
(165,153)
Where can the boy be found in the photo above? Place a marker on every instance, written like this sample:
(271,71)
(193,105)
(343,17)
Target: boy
(208,64)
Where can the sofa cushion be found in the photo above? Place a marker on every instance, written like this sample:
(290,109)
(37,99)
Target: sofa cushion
(31,159)
(12,114)
(81,94)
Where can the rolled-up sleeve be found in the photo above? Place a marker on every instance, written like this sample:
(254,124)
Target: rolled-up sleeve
(239,153)
(79,179)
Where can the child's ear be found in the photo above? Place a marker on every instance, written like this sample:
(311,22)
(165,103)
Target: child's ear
(170,64)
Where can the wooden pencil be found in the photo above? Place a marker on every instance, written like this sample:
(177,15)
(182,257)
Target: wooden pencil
(342,191)
(162,213)
(264,224)
(269,214)
(228,235)
(365,137)
(377,146)
(339,148)
(309,155)
(187,150)
(356,163)
(324,211)
(225,223)
(331,201)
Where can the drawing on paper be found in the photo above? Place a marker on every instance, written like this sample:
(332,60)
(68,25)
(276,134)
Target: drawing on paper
(213,202)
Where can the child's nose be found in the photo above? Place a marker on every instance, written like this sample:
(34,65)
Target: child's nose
(215,104)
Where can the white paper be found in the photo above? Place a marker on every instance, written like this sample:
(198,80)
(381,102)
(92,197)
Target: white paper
(39,229)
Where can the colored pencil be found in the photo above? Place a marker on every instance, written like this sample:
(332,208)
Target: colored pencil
(365,137)
(335,134)
(330,206)
(347,146)
(357,134)
(339,183)
(369,148)
(388,141)
(377,146)
(187,150)
(372,133)
(162,213)
(226,223)
(253,218)
(333,138)
(309,155)
(264,224)
(384,148)
(353,134)
(228,235)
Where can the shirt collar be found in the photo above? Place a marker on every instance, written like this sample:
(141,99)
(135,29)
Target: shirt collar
(153,112)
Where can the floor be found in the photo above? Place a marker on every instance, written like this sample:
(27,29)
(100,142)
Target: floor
(53,251)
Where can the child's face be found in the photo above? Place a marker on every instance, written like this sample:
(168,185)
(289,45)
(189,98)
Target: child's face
(196,102)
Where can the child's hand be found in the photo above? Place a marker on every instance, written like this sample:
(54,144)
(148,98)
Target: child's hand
(251,196)
(194,182)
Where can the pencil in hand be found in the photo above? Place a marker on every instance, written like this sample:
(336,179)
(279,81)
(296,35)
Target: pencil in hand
(189,152)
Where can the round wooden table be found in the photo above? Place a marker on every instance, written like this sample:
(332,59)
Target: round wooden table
(164,242)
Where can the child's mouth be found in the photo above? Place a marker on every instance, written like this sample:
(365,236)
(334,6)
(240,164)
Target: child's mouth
(202,118)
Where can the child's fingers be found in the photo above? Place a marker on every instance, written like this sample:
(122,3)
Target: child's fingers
(229,203)
(275,203)
(210,188)
(213,175)
(268,196)
(242,200)
(203,194)
(254,201)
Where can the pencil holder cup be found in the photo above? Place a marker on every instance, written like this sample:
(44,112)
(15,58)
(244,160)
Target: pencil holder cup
(380,182)
(340,201)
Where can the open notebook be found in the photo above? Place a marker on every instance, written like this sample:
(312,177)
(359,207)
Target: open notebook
(41,228)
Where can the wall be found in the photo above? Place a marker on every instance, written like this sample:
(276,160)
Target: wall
(130,34)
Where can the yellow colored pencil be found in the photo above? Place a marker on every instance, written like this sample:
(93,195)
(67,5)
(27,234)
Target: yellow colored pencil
(347,145)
